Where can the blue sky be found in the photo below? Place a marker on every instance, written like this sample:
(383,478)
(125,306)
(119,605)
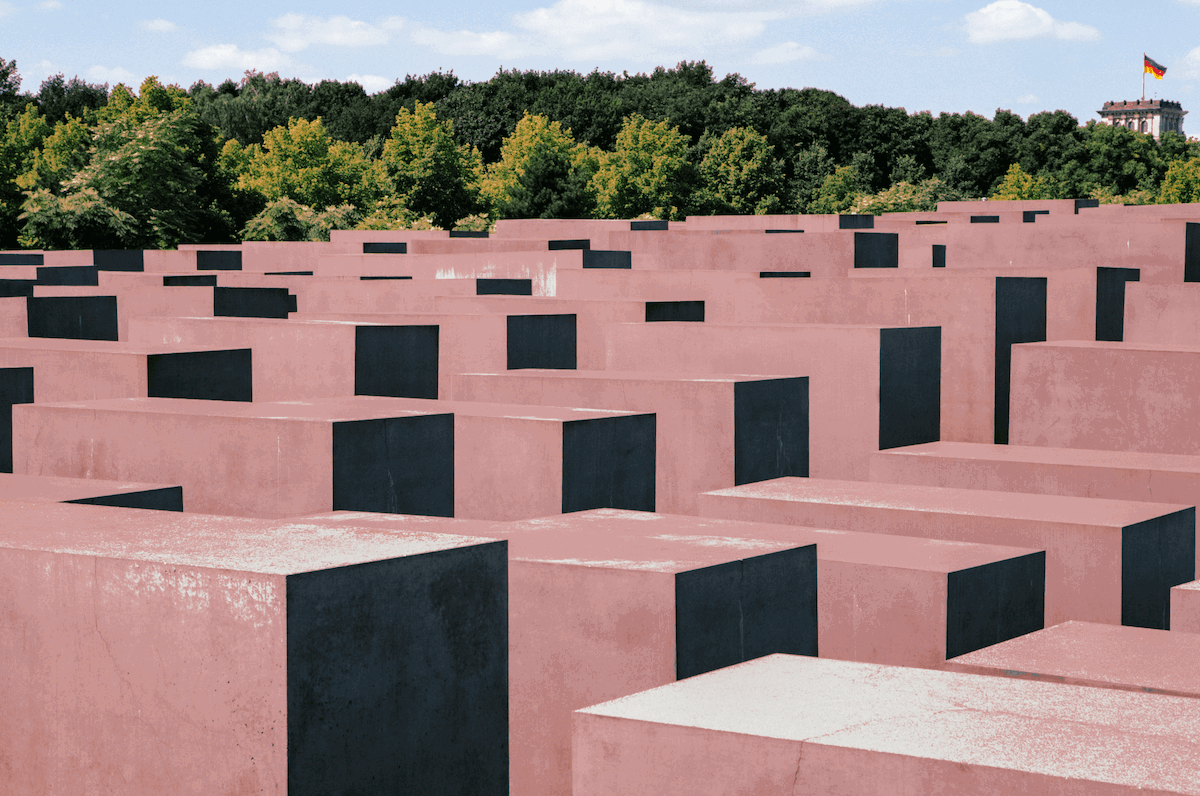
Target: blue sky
(937,55)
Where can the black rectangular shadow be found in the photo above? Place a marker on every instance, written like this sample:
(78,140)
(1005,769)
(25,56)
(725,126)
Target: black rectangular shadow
(383,247)
(398,465)
(782,231)
(119,259)
(16,387)
(168,498)
(910,386)
(1191,252)
(609,463)
(939,255)
(584,244)
(468,233)
(784,274)
(876,249)
(770,429)
(853,221)
(72,317)
(647,226)
(503,287)
(201,375)
(927,221)
(1110,301)
(21,258)
(287,273)
(995,602)
(86,275)
(674,311)
(218,260)
(1156,555)
(396,361)
(190,280)
(1081,204)
(252,302)
(1020,318)
(741,610)
(16,288)
(397,675)
(377,278)
(985,219)
(1030,216)
(541,341)
(601,258)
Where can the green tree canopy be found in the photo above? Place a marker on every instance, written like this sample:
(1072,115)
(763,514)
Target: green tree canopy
(430,173)
(1182,182)
(647,172)
(739,175)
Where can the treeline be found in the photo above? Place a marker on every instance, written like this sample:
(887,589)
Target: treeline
(83,166)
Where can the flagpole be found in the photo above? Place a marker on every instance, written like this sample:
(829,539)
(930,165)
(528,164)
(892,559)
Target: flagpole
(1143,77)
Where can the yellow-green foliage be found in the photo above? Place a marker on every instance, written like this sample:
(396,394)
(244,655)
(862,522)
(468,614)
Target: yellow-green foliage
(1182,182)
(645,173)
(739,175)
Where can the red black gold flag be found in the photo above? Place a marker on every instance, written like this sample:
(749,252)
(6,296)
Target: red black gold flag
(1153,67)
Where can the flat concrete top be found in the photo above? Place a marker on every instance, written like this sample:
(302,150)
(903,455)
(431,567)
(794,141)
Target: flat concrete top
(397,318)
(292,322)
(898,552)
(625,375)
(558,414)
(1084,653)
(402,522)
(1190,586)
(815,327)
(275,547)
(947,500)
(1033,454)
(58,489)
(324,410)
(101,346)
(1101,735)
(1122,346)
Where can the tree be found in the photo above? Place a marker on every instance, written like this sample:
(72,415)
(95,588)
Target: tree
(556,150)
(59,98)
(739,175)
(10,90)
(431,174)
(809,170)
(286,219)
(838,193)
(549,187)
(906,197)
(1182,182)
(303,163)
(647,172)
(62,154)
(79,220)
(23,135)
(1019,185)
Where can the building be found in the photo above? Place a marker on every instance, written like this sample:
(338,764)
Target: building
(1145,116)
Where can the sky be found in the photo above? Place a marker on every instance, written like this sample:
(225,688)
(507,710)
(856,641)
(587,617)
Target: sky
(934,55)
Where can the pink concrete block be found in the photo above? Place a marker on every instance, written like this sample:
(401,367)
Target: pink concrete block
(254,460)
(540,266)
(714,288)
(1167,314)
(54,489)
(595,230)
(136,299)
(1110,561)
(822,254)
(13,321)
(68,257)
(1185,607)
(516,462)
(704,441)
(151,653)
(592,317)
(856,403)
(791,724)
(1106,396)
(1101,656)
(352,294)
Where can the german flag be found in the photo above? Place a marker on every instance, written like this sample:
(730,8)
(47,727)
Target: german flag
(1153,67)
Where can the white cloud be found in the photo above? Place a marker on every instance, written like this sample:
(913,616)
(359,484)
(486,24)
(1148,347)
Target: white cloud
(296,32)
(50,5)
(782,53)
(1027,99)
(6,9)
(159,26)
(1006,20)
(230,56)
(603,30)
(372,84)
(1189,65)
(102,74)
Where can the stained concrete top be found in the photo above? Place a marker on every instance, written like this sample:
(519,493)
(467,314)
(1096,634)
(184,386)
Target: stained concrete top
(275,547)
(102,346)
(625,375)
(946,500)
(1074,732)
(1034,454)
(1190,586)
(359,407)
(1118,346)
(57,489)
(1084,653)
(513,411)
